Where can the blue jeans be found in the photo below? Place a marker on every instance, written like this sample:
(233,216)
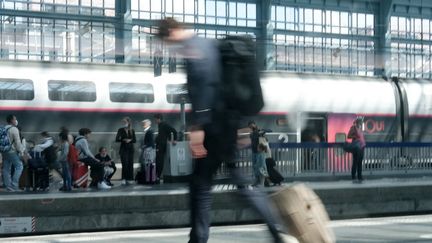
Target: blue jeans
(259,165)
(67,178)
(11,159)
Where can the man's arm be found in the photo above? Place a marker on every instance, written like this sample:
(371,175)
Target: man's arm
(43,146)
(16,140)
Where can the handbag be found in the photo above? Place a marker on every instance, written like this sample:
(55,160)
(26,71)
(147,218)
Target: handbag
(263,140)
(352,147)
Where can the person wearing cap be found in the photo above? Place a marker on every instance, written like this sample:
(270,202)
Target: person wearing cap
(356,134)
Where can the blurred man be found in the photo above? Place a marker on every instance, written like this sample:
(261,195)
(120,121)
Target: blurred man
(213,135)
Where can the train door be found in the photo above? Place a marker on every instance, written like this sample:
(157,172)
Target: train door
(337,131)
(313,127)
(313,130)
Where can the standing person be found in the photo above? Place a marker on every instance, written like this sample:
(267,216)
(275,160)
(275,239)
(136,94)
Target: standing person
(147,143)
(126,137)
(148,153)
(48,148)
(109,165)
(63,160)
(358,145)
(11,158)
(86,156)
(165,133)
(258,154)
(213,136)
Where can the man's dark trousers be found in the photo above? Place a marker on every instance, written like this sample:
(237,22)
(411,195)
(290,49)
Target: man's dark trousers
(220,142)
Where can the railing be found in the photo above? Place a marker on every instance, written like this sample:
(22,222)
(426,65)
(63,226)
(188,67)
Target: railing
(307,159)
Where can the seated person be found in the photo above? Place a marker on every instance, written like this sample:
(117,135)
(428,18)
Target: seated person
(86,156)
(110,167)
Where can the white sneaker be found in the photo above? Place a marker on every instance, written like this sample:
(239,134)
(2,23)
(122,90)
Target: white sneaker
(102,185)
(286,238)
(123,182)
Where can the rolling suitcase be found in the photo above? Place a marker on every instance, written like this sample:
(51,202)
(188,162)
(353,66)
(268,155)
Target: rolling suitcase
(38,172)
(80,175)
(150,173)
(41,178)
(274,175)
(303,213)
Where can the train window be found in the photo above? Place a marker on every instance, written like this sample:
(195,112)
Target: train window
(16,89)
(60,90)
(131,92)
(177,93)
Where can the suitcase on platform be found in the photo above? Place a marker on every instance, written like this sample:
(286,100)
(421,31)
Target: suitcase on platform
(274,176)
(37,172)
(303,213)
(150,173)
(80,175)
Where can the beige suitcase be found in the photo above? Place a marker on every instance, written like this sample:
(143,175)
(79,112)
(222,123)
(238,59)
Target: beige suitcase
(303,214)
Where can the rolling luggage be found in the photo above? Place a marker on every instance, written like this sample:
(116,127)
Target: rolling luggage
(150,173)
(40,178)
(303,213)
(80,175)
(274,176)
(38,172)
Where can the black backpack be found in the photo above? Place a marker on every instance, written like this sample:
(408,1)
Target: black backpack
(241,82)
(50,155)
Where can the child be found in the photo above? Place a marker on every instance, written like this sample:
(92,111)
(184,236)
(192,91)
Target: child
(110,167)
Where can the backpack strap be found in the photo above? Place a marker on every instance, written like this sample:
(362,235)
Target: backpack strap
(77,140)
(74,143)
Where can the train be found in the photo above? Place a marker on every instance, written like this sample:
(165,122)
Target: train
(299,107)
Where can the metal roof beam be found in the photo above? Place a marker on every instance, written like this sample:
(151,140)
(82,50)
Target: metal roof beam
(61,16)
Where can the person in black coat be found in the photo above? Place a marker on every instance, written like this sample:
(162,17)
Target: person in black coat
(126,137)
(213,134)
(165,133)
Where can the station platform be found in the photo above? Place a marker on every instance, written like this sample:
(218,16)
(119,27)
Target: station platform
(166,205)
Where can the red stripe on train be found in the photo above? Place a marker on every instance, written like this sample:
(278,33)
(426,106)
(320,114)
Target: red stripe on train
(77,109)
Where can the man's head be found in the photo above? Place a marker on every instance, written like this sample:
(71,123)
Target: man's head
(158,118)
(252,125)
(358,121)
(84,132)
(12,120)
(45,134)
(146,123)
(103,151)
(171,31)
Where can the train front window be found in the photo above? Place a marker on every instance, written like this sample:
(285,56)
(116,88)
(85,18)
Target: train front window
(177,93)
(16,89)
(131,92)
(81,91)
